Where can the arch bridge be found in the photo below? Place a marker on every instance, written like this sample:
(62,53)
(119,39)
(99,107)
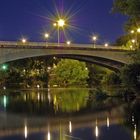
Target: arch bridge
(111,57)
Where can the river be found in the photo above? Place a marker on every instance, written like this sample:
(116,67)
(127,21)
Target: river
(67,114)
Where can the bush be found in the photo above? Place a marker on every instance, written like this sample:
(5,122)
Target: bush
(130,75)
(112,79)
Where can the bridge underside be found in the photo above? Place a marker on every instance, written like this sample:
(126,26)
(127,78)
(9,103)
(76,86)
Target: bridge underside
(107,63)
(110,64)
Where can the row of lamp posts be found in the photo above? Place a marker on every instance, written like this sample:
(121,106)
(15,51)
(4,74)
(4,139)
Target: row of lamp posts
(60,24)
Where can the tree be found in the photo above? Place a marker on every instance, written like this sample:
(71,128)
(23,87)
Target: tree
(70,72)
(135,56)
(122,40)
(29,72)
(3,76)
(129,8)
(96,74)
(130,75)
(112,78)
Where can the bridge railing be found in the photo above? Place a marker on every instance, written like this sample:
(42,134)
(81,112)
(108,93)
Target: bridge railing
(13,44)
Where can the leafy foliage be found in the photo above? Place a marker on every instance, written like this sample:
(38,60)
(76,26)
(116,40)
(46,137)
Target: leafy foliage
(130,8)
(127,7)
(122,40)
(28,72)
(112,79)
(135,56)
(70,72)
(96,74)
(130,75)
(3,76)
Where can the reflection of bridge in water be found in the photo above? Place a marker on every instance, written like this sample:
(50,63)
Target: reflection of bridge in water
(111,57)
(15,124)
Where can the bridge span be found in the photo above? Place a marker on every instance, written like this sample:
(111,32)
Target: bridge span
(111,57)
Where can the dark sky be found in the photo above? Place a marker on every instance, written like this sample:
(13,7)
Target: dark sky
(32,18)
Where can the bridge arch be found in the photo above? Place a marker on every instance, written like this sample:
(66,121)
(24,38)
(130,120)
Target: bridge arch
(107,63)
(112,58)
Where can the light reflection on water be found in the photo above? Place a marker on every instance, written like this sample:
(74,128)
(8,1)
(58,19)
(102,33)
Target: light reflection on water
(64,114)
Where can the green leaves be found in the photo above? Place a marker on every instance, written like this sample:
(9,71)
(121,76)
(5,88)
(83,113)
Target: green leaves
(127,7)
(130,8)
(130,75)
(70,72)
(120,6)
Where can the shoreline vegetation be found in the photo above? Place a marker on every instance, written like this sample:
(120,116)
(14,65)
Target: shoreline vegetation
(66,72)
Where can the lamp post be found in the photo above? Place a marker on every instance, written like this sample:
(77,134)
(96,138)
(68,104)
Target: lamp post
(46,37)
(94,38)
(60,24)
(24,40)
(138,30)
(4,67)
(106,45)
(131,47)
(68,43)
(133,41)
(132,32)
(135,32)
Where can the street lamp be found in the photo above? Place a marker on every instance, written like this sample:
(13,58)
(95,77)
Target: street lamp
(135,32)
(131,47)
(132,31)
(138,30)
(133,40)
(4,67)
(94,38)
(54,24)
(106,45)
(46,36)
(60,24)
(24,40)
(68,43)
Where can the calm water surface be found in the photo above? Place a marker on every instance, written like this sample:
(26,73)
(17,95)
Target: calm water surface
(67,114)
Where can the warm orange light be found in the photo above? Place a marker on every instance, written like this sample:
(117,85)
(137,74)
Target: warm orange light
(24,40)
(94,38)
(46,35)
(131,47)
(54,24)
(68,42)
(133,40)
(106,44)
(132,31)
(138,30)
(61,22)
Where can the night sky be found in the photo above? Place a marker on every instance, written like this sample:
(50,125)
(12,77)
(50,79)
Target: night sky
(32,18)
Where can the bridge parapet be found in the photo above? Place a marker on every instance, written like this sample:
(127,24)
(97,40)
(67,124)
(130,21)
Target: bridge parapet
(13,44)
